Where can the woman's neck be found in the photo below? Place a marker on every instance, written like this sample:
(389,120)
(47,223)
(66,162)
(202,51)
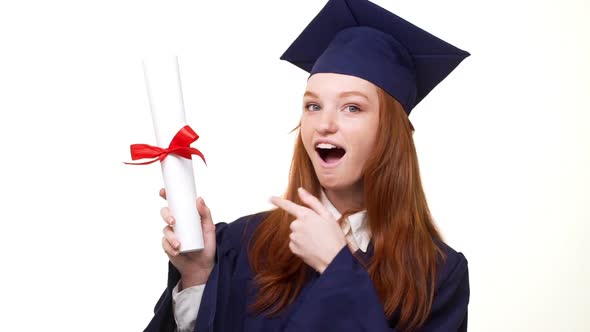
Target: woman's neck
(344,200)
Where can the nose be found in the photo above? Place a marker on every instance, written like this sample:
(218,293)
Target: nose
(328,122)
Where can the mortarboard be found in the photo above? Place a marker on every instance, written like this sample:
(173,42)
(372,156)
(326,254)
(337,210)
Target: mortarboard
(359,38)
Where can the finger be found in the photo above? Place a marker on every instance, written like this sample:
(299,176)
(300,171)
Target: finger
(205,214)
(167,216)
(294,226)
(163,193)
(171,237)
(168,248)
(292,247)
(296,210)
(208,227)
(315,204)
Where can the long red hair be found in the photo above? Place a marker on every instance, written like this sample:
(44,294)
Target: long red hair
(403,266)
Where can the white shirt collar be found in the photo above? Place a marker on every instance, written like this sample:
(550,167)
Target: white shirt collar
(356,222)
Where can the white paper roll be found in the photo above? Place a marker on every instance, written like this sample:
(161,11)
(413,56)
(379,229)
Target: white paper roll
(165,94)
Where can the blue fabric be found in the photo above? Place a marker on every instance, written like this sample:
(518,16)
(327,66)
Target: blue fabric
(359,38)
(341,299)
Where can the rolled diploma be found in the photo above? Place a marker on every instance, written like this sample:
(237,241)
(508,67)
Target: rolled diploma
(165,94)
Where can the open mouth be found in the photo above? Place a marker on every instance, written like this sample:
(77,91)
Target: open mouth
(330,153)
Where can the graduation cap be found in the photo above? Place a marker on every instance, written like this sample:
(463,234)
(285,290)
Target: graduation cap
(359,38)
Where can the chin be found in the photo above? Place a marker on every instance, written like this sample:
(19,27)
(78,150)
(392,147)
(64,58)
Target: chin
(334,183)
(336,179)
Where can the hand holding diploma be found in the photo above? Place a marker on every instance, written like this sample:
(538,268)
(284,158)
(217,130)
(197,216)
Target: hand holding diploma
(194,267)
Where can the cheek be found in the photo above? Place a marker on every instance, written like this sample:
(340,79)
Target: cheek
(363,152)
(365,144)
(306,135)
(372,128)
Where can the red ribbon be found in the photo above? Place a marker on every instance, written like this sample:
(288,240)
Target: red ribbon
(180,145)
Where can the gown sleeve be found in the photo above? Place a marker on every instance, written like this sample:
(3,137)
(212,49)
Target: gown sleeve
(216,296)
(344,299)
(185,305)
(163,320)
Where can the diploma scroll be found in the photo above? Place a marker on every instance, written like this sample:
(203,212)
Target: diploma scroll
(165,95)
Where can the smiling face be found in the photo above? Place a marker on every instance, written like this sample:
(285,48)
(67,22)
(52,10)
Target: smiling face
(339,128)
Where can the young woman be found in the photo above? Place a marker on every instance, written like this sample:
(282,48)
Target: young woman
(352,245)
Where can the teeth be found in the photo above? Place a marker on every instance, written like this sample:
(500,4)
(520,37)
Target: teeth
(326,146)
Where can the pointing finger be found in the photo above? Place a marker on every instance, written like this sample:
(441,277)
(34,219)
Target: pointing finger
(285,204)
(314,204)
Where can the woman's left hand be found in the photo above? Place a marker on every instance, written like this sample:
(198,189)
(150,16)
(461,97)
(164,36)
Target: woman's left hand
(315,236)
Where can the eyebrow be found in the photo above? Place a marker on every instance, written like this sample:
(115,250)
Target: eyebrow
(341,95)
(310,94)
(353,93)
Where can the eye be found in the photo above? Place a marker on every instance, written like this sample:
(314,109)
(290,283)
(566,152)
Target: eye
(352,108)
(312,107)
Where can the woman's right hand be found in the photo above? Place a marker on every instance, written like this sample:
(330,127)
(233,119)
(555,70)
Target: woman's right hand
(194,267)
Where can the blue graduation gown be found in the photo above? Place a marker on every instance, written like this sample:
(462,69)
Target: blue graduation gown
(343,298)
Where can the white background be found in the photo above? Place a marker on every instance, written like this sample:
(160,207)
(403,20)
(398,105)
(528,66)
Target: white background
(503,143)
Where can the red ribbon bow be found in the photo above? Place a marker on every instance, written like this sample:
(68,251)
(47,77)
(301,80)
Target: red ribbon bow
(180,145)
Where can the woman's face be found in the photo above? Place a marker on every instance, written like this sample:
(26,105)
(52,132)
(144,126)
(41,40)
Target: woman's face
(339,127)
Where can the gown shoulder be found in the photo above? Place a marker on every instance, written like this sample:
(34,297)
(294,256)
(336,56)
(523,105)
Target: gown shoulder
(235,235)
